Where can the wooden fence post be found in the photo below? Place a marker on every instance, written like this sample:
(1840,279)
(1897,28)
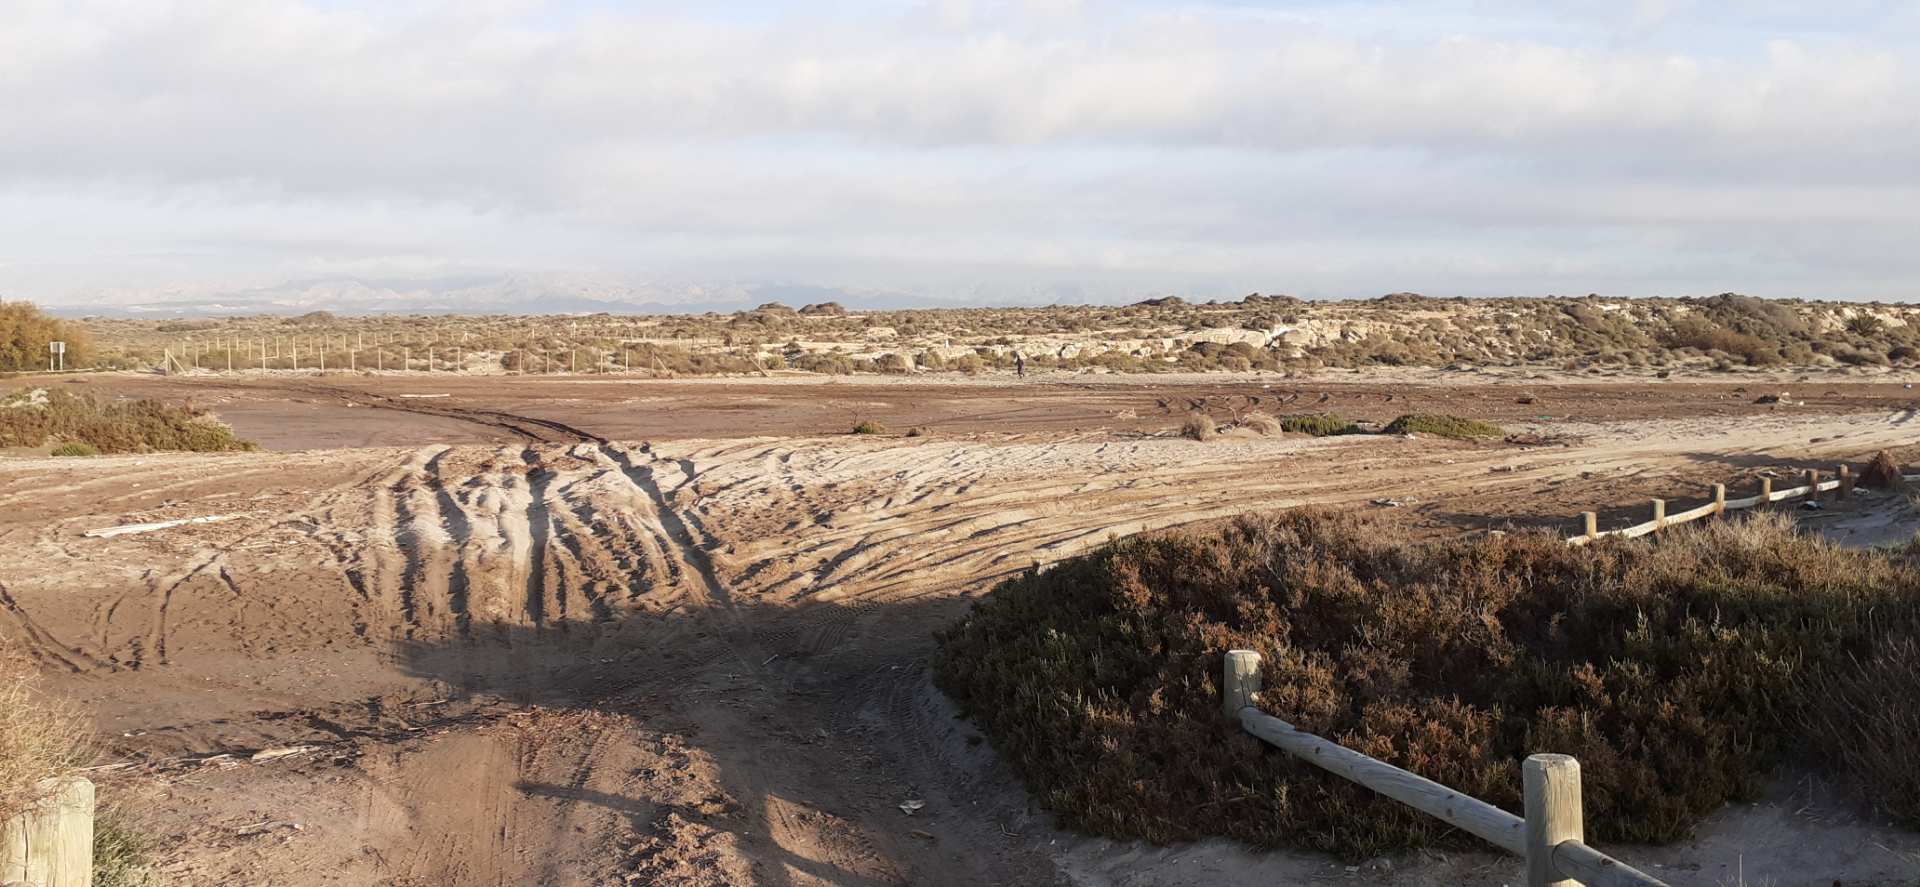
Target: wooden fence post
(1659,514)
(1551,787)
(1590,522)
(1766,490)
(51,843)
(1719,499)
(1813,485)
(1241,681)
(1846,480)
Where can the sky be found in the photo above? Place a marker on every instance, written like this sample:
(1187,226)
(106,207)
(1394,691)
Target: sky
(960,152)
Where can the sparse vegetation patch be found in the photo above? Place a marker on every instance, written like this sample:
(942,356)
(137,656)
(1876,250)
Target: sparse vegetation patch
(34,418)
(1675,671)
(1454,427)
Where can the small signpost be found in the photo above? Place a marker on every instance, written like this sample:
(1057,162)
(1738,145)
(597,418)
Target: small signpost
(57,356)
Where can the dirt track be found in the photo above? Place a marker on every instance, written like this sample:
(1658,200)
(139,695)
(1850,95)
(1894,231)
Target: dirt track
(558,655)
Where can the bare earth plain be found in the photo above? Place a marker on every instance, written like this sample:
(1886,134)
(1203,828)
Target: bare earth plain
(555,630)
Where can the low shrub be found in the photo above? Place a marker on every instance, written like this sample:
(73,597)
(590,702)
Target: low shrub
(138,426)
(1317,424)
(1454,427)
(1199,426)
(1671,670)
(867,426)
(75,449)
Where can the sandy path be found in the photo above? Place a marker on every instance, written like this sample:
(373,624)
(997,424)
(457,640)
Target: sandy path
(688,662)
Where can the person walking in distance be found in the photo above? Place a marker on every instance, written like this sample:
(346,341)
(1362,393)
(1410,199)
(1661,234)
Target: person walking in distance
(1019,364)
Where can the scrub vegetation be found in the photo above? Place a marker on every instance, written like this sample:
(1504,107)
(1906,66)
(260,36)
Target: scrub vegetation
(1680,672)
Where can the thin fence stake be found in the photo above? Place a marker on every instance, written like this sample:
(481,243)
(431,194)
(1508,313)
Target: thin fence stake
(1591,522)
(1766,490)
(1846,480)
(1719,499)
(1813,485)
(1659,514)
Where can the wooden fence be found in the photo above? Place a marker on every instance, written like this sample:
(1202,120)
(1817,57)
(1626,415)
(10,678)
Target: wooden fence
(51,843)
(1811,488)
(1548,837)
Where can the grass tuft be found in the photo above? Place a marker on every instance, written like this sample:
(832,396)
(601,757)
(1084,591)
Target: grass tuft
(122,852)
(1454,427)
(75,449)
(868,426)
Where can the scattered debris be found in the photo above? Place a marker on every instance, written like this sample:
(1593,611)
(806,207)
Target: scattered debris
(1388,503)
(285,751)
(424,396)
(911,807)
(1781,398)
(130,529)
(1811,506)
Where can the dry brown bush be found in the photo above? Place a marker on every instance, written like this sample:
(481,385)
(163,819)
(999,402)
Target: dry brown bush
(40,738)
(1882,473)
(1199,426)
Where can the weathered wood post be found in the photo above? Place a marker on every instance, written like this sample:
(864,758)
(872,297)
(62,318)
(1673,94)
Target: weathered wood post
(1551,788)
(51,843)
(1241,682)
(1813,485)
(1846,480)
(1590,524)
(1766,490)
(1659,514)
(1719,499)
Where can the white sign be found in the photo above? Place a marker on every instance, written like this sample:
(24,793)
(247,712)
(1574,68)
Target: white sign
(57,347)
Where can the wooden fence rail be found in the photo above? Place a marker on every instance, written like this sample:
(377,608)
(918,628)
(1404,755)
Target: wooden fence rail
(1549,837)
(1842,485)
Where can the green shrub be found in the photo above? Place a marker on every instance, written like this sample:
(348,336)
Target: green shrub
(1455,427)
(867,426)
(1318,424)
(136,426)
(75,449)
(1670,670)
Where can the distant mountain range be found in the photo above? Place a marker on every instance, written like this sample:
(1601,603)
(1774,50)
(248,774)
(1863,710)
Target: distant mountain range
(510,294)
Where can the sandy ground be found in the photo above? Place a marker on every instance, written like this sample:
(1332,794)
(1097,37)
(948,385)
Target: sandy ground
(514,636)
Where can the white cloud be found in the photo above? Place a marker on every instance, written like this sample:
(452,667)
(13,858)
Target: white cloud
(1222,146)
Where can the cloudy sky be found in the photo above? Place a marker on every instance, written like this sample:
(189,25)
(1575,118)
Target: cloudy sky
(983,151)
